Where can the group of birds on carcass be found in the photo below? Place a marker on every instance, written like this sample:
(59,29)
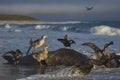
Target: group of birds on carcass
(64,56)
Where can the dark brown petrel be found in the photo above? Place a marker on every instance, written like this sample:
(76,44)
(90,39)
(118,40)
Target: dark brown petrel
(66,42)
(97,50)
(13,57)
(106,47)
(89,8)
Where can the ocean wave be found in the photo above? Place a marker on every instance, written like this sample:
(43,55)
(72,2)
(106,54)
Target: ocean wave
(66,22)
(57,28)
(65,28)
(7,26)
(82,28)
(42,27)
(17,30)
(105,30)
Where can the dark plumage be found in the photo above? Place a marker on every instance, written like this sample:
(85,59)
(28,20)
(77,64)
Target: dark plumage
(97,50)
(109,60)
(89,8)
(66,42)
(106,47)
(13,57)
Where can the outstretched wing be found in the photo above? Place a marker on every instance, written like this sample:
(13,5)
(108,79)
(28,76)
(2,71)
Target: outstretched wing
(72,41)
(106,47)
(95,48)
(89,8)
(61,40)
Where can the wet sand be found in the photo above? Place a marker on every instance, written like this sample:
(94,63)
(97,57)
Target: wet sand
(13,72)
(6,78)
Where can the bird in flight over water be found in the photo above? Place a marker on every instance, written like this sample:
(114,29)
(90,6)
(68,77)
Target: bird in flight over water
(89,8)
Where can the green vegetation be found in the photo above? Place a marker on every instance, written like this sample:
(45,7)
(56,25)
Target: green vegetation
(4,17)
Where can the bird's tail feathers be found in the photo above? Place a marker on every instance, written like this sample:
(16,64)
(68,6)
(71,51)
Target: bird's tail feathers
(72,41)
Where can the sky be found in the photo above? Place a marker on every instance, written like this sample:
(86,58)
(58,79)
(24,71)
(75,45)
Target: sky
(63,10)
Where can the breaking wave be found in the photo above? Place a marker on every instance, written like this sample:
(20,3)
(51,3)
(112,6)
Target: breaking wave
(67,73)
(59,27)
(68,27)
(97,30)
(10,28)
(17,30)
(42,27)
(7,26)
(105,30)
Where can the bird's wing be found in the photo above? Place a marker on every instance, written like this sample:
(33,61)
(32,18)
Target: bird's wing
(36,41)
(106,47)
(95,48)
(89,8)
(72,41)
(61,40)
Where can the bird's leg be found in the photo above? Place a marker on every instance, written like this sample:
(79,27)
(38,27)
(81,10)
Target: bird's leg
(40,63)
(34,50)
(15,63)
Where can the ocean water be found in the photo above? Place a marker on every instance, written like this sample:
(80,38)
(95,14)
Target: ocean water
(17,35)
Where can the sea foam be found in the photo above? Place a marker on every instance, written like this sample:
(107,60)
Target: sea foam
(67,73)
(105,30)
(42,27)
(7,26)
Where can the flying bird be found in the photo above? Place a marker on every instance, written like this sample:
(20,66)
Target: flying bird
(89,8)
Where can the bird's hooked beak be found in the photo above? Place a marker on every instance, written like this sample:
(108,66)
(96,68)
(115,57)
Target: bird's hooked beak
(48,48)
(46,37)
